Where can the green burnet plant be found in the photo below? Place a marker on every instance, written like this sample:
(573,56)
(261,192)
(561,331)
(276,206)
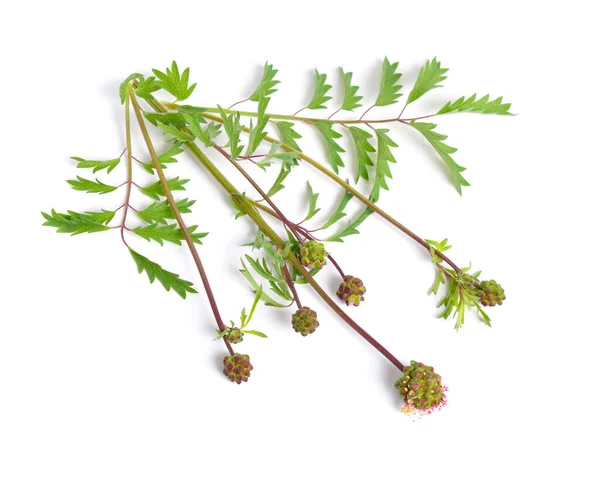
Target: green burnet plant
(292,253)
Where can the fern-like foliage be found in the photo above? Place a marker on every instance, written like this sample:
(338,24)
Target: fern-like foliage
(389,89)
(445,152)
(429,78)
(170,281)
(320,97)
(175,83)
(351,98)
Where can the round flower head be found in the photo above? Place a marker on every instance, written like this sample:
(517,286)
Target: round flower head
(313,255)
(421,388)
(304,321)
(491,293)
(237,367)
(351,291)
(234,335)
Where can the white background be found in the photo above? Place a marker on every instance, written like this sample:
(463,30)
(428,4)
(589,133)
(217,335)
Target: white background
(105,377)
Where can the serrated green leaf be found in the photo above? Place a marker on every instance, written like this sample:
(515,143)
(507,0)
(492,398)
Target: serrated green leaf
(429,78)
(125,83)
(97,165)
(164,158)
(389,88)
(177,134)
(333,149)
(155,190)
(351,228)
(167,279)
(363,149)
(233,130)
(167,232)
(312,202)
(339,211)
(159,212)
(351,99)
(102,217)
(288,135)
(444,151)
(146,87)
(174,82)
(382,165)
(195,127)
(174,119)
(267,83)
(481,106)
(258,132)
(82,184)
(277,186)
(78,223)
(320,97)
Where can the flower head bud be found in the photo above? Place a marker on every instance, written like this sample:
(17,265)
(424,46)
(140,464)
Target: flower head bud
(491,293)
(421,388)
(237,367)
(313,255)
(351,290)
(304,321)
(234,335)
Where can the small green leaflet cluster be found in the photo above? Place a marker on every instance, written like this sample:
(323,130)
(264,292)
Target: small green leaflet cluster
(175,83)
(270,268)
(154,216)
(459,297)
(245,320)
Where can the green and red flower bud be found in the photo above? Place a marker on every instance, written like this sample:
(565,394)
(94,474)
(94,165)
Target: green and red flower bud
(313,255)
(237,367)
(234,335)
(304,321)
(491,293)
(351,291)
(421,388)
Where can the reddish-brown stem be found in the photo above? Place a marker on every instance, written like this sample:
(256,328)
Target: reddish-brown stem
(290,283)
(365,112)
(333,114)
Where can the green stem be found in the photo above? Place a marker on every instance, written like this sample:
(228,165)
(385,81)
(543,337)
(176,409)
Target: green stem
(178,217)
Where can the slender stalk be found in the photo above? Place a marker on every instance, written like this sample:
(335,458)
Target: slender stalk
(308,120)
(290,283)
(354,192)
(178,217)
(129,168)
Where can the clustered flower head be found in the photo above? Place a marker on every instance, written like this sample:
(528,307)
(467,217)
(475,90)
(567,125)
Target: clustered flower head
(491,293)
(421,388)
(351,290)
(237,367)
(313,255)
(234,335)
(304,321)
